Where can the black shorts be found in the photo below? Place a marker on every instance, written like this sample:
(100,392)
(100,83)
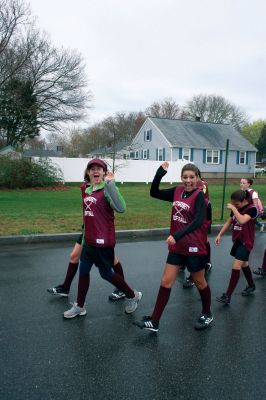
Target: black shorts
(80,238)
(239,251)
(193,263)
(102,257)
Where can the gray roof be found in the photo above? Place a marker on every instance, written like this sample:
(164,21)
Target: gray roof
(203,135)
(109,149)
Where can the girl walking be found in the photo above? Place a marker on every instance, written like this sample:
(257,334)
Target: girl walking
(242,221)
(100,199)
(245,184)
(63,289)
(186,243)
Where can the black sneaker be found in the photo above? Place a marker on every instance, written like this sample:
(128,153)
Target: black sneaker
(259,271)
(148,324)
(58,291)
(117,295)
(204,321)
(224,299)
(188,283)
(248,290)
(208,267)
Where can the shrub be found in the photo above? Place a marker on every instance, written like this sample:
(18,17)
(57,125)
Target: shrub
(24,173)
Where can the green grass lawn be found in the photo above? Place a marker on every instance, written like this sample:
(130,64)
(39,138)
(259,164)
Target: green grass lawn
(24,212)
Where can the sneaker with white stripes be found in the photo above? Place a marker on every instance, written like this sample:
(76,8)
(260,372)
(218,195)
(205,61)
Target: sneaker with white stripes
(132,304)
(74,311)
(148,324)
(117,294)
(204,321)
(58,291)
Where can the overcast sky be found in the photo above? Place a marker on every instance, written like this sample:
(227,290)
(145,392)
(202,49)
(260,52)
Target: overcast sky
(141,51)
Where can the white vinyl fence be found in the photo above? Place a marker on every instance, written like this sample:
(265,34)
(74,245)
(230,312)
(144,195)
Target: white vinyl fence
(125,170)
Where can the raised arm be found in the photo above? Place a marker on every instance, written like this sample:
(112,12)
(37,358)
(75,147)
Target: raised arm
(113,194)
(164,194)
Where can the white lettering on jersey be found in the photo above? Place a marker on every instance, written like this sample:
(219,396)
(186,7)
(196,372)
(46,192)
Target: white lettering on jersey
(88,201)
(179,207)
(100,241)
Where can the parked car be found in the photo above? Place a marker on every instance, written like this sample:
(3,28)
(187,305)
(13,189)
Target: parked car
(259,170)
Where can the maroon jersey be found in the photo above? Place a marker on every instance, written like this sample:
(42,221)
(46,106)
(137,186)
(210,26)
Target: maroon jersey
(183,213)
(99,228)
(244,233)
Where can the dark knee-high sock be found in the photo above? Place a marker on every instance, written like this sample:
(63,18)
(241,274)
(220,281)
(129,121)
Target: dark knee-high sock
(118,269)
(70,275)
(233,281)
(121,284)
(162,300)
(205,295)
(83,286)
(208,248)
(248,275)
(264,261)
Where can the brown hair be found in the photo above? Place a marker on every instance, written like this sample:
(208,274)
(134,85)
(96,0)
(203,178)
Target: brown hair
(249,180)
(240,195)
(190,167)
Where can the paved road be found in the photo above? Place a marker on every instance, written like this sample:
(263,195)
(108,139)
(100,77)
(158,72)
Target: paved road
(103,356)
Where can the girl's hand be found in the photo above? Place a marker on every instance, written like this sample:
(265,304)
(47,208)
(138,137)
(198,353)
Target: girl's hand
(109,176)
(165,165)
(170,240)
(230,206)
(217,240)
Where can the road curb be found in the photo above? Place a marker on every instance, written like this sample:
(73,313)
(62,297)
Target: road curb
(123,235)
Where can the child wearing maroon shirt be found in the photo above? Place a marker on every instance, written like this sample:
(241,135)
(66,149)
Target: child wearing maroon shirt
(100,199)
(242,220)
(63,289)
(186,243)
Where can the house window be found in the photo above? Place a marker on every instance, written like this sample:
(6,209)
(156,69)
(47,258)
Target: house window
(186,154)
(161,155)
(147,135)
(59,148)
(242,157)
(145,154)
(212,157)
(134,155)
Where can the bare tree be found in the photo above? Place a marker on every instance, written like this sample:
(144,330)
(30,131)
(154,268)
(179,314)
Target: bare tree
(166,108)
(59,83)
(57,76)
(15,18)
(214,108)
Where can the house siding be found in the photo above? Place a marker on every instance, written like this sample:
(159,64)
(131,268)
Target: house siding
(157,142)
(161,139)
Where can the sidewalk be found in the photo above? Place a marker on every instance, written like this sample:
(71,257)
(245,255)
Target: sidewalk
(131,234)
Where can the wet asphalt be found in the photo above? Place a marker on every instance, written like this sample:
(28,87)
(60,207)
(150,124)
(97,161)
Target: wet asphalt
(103,356)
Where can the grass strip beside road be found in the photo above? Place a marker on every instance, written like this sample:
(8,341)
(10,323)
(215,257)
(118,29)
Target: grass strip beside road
(27,212)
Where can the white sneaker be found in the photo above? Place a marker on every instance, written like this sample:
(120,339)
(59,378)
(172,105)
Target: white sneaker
(262,228)
(74,311)
(132,304)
